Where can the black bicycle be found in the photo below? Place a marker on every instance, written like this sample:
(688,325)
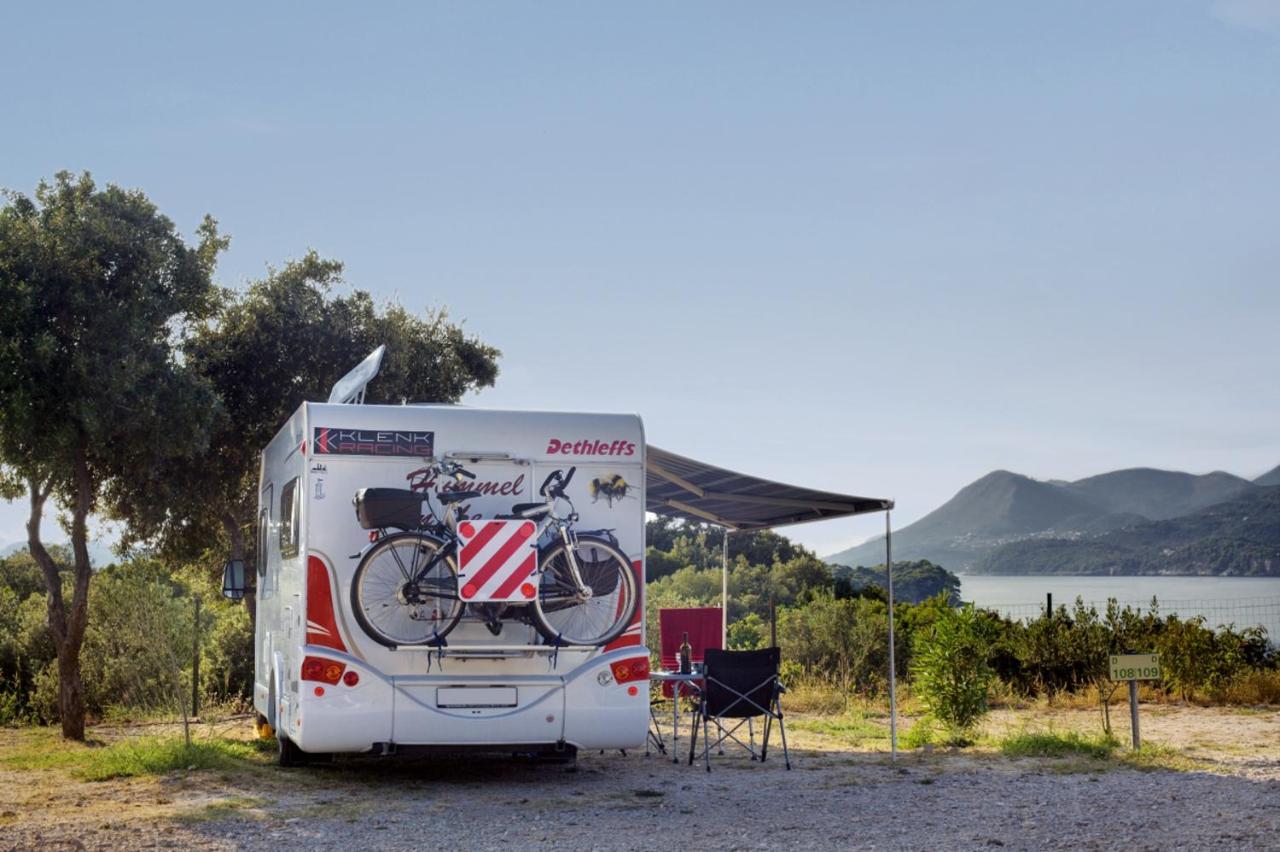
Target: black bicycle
(405,589)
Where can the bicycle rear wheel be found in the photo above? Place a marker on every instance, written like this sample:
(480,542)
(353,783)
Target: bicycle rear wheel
(562,614)
(405,590)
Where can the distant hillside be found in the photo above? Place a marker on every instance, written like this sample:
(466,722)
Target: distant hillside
(100,555)
(1159,494)
(913,582)
(996,509)
(1271,477)
(1004,507)
(1238,538)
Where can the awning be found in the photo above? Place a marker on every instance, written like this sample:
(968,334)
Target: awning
(681,487)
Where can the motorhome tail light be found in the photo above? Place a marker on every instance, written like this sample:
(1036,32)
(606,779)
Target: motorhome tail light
(351,678)
(325,671)
(636,668)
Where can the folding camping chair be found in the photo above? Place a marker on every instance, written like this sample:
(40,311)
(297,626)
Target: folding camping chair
(741,686)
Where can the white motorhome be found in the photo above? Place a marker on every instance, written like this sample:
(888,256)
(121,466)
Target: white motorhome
(460,660)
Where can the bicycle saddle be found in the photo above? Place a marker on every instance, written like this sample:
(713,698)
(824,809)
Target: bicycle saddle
(448,497)
(530,510)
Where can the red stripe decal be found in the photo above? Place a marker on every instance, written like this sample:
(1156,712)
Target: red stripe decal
(521,574)
(504,553)
(320,607)
(487,532)
(628,639)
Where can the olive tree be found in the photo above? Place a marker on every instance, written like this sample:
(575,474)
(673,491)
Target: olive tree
(284,340)
(98,292)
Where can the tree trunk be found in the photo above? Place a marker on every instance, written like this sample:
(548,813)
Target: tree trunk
(66,625)
(71,708)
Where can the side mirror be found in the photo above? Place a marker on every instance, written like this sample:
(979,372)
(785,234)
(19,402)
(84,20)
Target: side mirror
(233,579)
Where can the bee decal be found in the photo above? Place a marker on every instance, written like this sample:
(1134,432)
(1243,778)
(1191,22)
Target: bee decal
(611,487)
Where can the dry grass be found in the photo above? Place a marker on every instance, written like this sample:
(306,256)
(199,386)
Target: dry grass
(1254,688)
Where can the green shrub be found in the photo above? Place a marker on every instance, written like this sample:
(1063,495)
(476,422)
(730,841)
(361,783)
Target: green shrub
(950,672)
(748,633)
(846,640)
(42,704)
(1058,744)
(921,733)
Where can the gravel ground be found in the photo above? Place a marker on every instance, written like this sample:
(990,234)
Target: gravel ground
(833,798)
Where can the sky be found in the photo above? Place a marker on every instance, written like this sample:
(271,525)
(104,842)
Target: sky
(880,249)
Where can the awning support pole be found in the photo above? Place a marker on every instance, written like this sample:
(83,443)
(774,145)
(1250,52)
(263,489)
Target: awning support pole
(724,592)
(893,668)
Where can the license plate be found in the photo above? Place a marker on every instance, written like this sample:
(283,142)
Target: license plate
(475,696)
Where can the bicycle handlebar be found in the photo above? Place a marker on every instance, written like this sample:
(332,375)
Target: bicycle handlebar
(556,482)
(451,468)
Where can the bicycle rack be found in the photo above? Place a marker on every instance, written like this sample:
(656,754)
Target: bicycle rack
(491,652)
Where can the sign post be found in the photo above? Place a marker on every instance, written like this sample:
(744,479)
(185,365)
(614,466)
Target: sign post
(1133,668)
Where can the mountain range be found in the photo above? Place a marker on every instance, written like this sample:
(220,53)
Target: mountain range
(977,529)
(1238,538)
(99,554)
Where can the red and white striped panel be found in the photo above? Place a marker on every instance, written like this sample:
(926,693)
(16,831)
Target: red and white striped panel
(497,561)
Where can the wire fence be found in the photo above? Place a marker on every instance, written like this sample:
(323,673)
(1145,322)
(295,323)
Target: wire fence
(1221,612)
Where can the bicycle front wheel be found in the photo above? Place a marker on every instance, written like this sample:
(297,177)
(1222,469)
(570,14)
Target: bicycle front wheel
(595,616)
(405,590)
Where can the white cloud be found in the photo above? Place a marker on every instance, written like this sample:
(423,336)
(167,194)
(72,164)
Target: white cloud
(1255,14)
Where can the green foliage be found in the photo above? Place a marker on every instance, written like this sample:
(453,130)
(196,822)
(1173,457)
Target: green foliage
(949,669)
(748,633)
(1058,744)
(21,575)
(264,351)
(913,582)
(99,293)
(159,755)
(139,640)
(1059,652)
(136,657)
(923,732)
(1194,658)
(97,286)
(846,640)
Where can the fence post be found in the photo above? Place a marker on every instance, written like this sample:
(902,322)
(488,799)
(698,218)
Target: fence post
(1133,713)
(1048,604)
(773,620)
(195,662)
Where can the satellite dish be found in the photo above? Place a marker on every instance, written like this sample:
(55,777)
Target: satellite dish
(350,388)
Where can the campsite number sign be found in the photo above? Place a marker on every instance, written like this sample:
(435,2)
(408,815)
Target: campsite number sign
(1135,666)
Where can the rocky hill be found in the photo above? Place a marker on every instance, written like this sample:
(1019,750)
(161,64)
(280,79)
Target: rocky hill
(1238,538)
(1003,508)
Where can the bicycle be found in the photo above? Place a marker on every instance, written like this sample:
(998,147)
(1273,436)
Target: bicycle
(405,589)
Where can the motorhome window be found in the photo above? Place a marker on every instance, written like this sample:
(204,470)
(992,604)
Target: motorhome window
(264,530)
(290,509)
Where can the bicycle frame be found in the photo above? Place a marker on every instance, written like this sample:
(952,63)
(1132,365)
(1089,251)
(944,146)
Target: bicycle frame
(564,527)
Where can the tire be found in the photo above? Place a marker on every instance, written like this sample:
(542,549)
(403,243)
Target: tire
(377,591)
(601,618)
(288,754)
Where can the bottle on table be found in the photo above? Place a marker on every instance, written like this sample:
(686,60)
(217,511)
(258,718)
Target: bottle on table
(686,655)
